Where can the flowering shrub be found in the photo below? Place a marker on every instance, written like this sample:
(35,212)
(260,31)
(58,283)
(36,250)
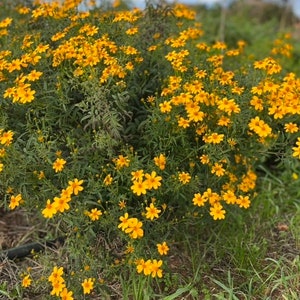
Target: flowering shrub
(116,124)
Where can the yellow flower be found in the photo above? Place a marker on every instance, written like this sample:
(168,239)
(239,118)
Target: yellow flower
(57,287)
(165,107)
(243,201)
(87,285)
(49,210)
(124,221)
(143,266)
(122,204)
(296,150)
(261,128)
(163,248)
(160,161)
(229,197)
(155,268)
(95,214)
(152,181)
(218,169)
(213,138)
(139,187)
(134,228)
(199,200)
(291,127)
(75,186)
(204,159)
(26,282)
(129,249)
(5,22)
(217,212)
(257,103)
(132,31)
(108,180)
(184,177)
(6,138)
(121,162)
(58,165)
(184,123)
(61,204)
(152,212)
(66,295)
(15,201)
(34,75)
(56,275)
(137,175)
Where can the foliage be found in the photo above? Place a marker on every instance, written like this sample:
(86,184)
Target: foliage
(117,125)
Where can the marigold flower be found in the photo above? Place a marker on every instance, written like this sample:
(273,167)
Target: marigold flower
(26,282)
(291,127)
(122,204)
(66,295)
(296,152)
(155,268)
(217,212)
(57,287)
(139,187)
(199,200)
(137,175)
(229,197)
(184,177)
(129,249)
(132,31)
(204,159)
(134,228)
(75,185)
(184,123)
(87,285)
(213,138)
(61,203)
(49,211)
(260,127)
(152,212)
(243,201)
(108,180)
(165,107)
(58,165)
(257,103)
(218,169)
(152,181)
(163,248)
(121,162)
(124,221)
(95,214)
(144,266)
(6,138)
(15,201)
(211,196)
(56,274)
(160,161)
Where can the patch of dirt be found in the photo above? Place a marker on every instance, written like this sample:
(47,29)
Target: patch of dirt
(15,229)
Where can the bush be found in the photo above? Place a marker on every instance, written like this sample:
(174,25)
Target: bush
(118,124)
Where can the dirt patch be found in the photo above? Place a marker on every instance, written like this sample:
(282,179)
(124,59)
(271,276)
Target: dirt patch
(15,229)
